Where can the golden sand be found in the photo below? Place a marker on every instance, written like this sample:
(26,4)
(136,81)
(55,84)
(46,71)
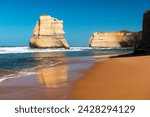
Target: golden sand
(118,78)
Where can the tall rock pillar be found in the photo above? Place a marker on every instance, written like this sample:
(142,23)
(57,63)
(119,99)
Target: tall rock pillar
(48,33)
(145,42)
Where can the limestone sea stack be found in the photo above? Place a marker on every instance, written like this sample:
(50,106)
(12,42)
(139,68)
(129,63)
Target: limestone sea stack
(48,33)
(114,39)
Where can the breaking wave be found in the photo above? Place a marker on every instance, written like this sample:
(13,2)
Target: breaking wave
(9,50)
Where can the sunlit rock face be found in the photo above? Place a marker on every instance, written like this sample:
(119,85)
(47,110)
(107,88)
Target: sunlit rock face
(48,33)
(145,42)
(115,39)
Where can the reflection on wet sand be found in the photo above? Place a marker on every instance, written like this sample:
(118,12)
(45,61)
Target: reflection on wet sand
(50,82)
(52,76)
(49,54)
(49,57)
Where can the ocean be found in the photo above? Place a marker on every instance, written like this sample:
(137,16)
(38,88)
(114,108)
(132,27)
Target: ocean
(22,61)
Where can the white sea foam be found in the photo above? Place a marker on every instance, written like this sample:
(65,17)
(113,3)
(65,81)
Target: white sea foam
(9,50)
(2,79)
(25,72)
(18,75)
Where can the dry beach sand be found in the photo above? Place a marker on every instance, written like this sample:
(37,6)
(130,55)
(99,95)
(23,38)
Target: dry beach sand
(118,78)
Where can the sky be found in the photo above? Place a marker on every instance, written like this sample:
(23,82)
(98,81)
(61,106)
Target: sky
(81,18)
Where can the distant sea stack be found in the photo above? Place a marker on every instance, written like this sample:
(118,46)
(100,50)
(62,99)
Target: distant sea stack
(114,39)
(48,33)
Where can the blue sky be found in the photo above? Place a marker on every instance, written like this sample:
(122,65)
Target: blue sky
(81,18)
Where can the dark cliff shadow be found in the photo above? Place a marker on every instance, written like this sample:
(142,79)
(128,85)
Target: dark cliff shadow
(132,40)
(136,52)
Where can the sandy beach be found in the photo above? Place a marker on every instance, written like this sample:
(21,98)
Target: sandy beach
(96,78)
(125,78)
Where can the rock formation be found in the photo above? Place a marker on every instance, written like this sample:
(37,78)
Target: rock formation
(115,39)
(145,42)
(48,33)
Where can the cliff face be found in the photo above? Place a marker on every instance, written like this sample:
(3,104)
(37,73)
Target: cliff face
(48,33)
(115,39)
(145,42)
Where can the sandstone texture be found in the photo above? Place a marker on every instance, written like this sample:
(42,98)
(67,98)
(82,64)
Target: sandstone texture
(48,33)
(114,39)
(145,42)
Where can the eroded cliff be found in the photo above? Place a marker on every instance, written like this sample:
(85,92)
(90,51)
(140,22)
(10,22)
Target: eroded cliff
(115,39)
(48,33)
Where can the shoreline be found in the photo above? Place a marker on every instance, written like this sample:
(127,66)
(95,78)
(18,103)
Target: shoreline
(49,83)
(52,82)
(121,78)
(13,74)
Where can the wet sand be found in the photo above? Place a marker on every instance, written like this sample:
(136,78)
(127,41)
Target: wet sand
(29,88)
(126,78)
(49,83)
(2,72)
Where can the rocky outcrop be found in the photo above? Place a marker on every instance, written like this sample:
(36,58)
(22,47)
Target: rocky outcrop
(115,39)
(48,33)
(145,42)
